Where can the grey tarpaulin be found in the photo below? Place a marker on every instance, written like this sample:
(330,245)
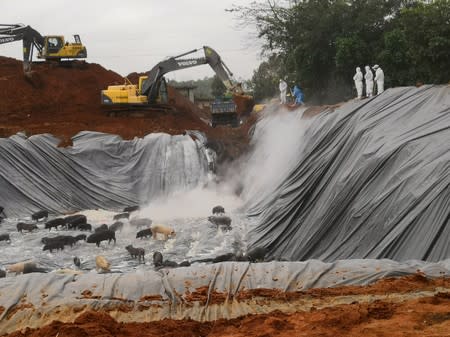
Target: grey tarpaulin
(371,181)
(37,299)
(99,171)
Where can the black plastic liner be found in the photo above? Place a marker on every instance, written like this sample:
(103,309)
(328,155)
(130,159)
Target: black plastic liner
(99,171)
(371,181)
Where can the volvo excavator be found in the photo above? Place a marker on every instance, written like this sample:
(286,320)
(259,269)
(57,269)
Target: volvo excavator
(50,47)
(151,90)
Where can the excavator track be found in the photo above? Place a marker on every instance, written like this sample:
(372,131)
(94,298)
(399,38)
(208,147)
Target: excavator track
(53,63)
(136,110)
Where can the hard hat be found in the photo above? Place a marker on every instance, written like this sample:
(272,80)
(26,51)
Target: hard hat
(375,66)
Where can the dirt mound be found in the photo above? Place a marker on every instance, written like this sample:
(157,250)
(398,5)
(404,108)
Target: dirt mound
(64,100)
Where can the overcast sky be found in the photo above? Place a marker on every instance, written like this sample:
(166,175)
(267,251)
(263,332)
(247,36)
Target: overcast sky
(135,35)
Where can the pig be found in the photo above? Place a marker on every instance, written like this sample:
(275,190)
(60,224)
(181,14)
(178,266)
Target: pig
(39,215)
(101,236)
(101,228)
(121,216)
(157,259)
(256,254)
(76,261)
(158,262)
(24,267)
(16,268)
(55,223)
(221,221)
(5,237)
(64,239)
(143,222)
(26,227)
(102,264)
(85,227)
(54,244)
(130,209)
(116,226)
(218,210)
(136,252)
(144,233)
(73,221)
(164,230)
(32,268)
(80,237)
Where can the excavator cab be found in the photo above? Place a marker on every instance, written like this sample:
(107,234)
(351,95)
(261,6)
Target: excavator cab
(55,47)
(129,93)
(53,44)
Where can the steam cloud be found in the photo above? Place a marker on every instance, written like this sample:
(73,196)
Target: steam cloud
(277,135)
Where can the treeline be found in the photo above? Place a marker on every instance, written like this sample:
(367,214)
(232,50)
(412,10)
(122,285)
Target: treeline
(207,88)
(318,44)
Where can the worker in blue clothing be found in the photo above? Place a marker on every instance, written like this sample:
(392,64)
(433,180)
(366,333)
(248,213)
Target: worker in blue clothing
(298,94)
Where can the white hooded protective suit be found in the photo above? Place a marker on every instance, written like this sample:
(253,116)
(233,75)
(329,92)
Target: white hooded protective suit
(358,78)
(368,76)
(379,77)
(283,89)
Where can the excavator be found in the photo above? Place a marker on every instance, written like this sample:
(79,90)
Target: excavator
(50,47)
(151,90)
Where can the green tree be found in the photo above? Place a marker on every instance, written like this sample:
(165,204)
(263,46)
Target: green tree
(425,34)
(266,78)
(396,59)
(218,89)
(322,41)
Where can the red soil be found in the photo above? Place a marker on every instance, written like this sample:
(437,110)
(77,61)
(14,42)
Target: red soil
(66,100)
(426,316)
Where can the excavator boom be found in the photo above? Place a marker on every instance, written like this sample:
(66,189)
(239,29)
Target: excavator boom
(152,91)
(151,86)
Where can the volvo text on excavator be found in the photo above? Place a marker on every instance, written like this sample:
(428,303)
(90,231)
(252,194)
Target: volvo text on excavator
(152,90)
(50,47)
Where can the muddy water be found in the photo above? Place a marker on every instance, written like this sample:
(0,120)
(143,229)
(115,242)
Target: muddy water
(196,238)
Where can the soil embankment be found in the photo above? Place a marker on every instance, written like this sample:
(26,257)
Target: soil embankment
(404,307)
(66,100)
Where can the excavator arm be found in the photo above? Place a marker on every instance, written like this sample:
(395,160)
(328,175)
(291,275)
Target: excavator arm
(29,36)
(151,86)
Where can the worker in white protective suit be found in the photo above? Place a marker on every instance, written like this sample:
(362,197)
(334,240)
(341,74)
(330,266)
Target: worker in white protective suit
(368,76)
(379,78)
(283,88)
(358,78)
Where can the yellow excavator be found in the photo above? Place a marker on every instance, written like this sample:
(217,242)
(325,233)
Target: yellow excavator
(151,90)
(50,47)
